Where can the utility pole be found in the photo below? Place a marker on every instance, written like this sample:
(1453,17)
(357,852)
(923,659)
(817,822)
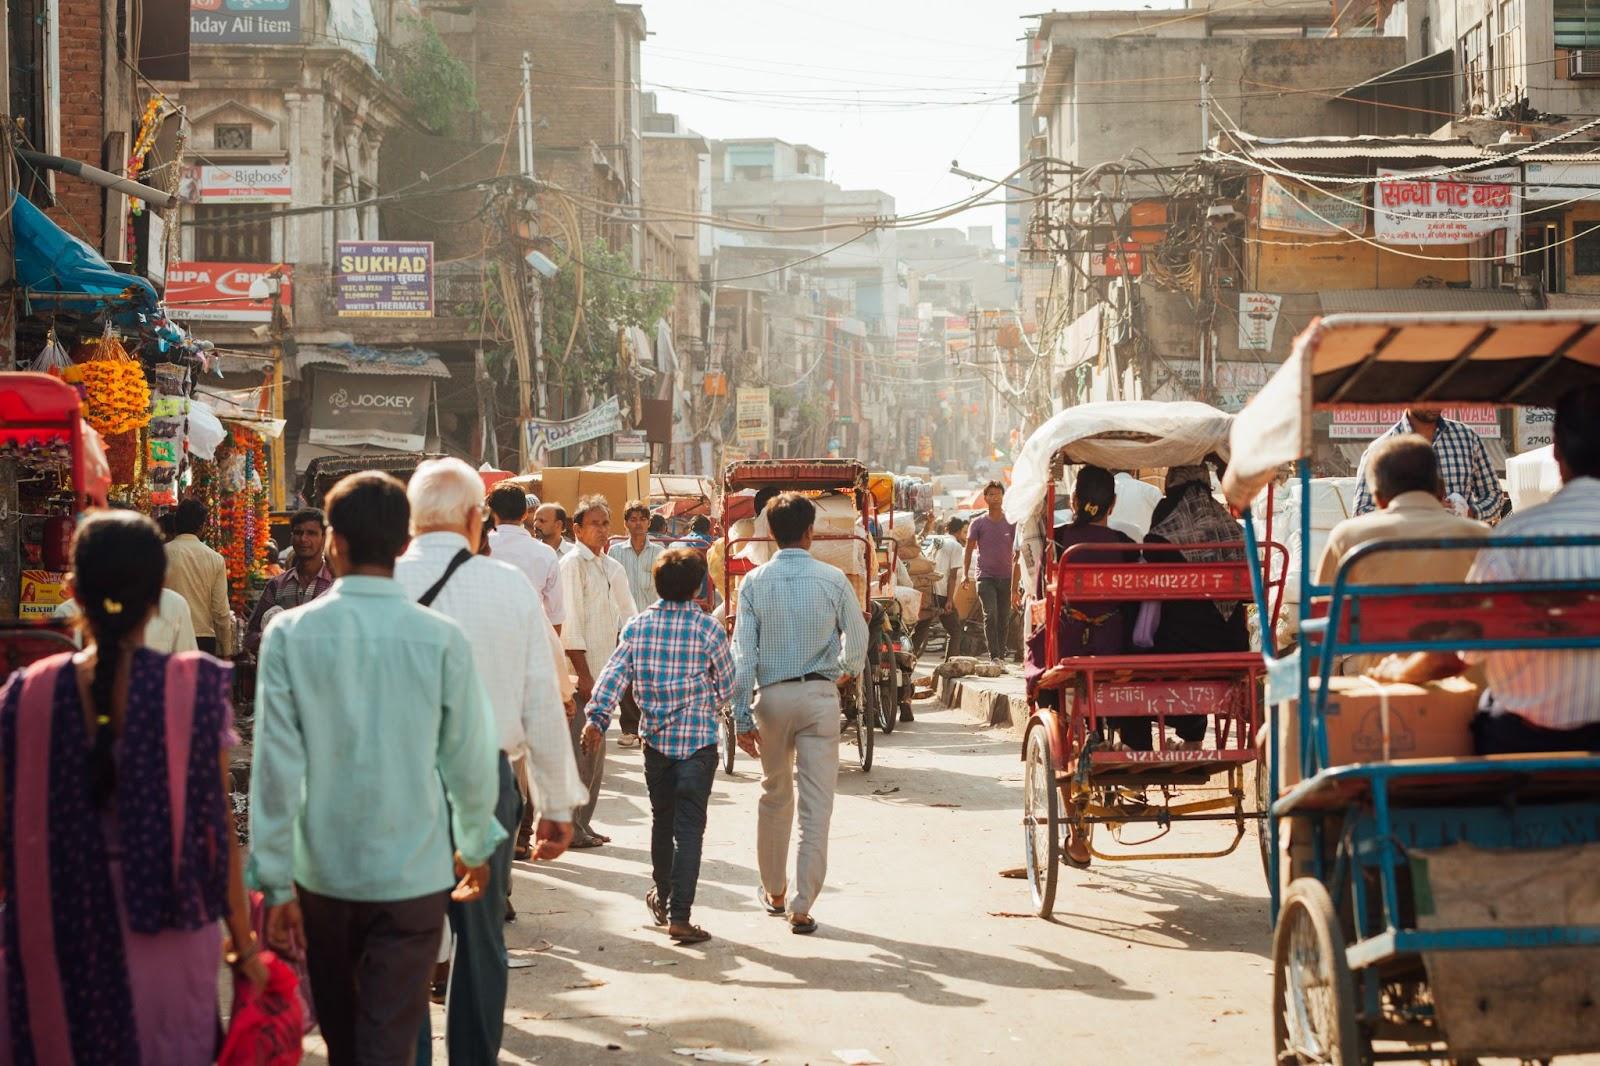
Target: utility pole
(1205,108)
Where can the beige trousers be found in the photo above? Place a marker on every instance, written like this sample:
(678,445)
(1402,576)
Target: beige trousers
(799,725)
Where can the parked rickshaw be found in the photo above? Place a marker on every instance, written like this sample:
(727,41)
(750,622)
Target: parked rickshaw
(1439,908)
(865,707)
(1075,778)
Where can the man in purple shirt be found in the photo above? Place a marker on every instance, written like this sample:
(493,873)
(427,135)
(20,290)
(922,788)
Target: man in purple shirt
(993,539)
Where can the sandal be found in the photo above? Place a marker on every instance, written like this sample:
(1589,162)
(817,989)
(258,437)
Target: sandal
(692,935)
(1072,860)
(804,927)
(658,910)
(774,909)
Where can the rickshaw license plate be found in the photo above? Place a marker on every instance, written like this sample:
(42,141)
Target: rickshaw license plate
(1152,581)
(1165,697)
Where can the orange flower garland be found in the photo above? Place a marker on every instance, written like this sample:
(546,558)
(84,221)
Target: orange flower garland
(116,395)
(245,525)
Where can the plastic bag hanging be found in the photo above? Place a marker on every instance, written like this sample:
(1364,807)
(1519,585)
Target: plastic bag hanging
(53,357)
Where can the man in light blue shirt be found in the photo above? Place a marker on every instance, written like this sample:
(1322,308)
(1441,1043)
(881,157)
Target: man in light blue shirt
(799,637)
(374,744)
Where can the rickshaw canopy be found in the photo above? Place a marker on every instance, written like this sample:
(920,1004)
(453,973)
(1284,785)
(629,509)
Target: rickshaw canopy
(35,406)
(794,474)
(1118,435)
(1530,357)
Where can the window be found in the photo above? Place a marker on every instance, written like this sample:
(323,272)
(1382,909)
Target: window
(1507,73)
(1586,248)
(1577,24)
(1474,84)
(233,234)
(231,138)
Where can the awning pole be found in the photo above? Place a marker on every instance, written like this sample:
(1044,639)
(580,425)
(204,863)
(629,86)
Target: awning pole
(94,175)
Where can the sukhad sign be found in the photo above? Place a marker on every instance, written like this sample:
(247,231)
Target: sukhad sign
(383,279)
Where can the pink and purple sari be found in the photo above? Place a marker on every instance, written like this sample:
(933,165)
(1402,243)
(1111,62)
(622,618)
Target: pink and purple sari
(111,942)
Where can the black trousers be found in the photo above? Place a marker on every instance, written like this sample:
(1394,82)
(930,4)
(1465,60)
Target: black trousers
(1139,733)
(369,964)
(628,718)
(1512,734)
(679,791)
(206,644)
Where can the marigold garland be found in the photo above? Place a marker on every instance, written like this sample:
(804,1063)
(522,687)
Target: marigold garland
(116,397)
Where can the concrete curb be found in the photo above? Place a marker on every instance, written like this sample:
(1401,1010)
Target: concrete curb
(985,700)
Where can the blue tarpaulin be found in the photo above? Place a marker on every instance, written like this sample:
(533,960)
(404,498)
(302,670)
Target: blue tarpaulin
(51,260)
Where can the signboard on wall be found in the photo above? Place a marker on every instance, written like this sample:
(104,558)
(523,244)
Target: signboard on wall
(245,183)
(1288,207)
(1562,181)
(753,416)
(1453,209)
(220,292)
(1258,320)
(383,279)
(1364,423)
(629,444)
(244,21)
(1534,427)
(385,410)
(1117,259)
(546,436)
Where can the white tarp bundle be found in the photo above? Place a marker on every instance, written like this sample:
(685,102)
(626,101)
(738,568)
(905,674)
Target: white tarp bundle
(1273,429)
(1532,477)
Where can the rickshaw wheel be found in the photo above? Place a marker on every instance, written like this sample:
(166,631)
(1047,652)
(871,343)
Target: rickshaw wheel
(1313,993)
(889,696)
(866,713)
(1041,823)
(729,744)
(1263,825)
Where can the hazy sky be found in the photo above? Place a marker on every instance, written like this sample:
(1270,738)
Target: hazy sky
(891,90)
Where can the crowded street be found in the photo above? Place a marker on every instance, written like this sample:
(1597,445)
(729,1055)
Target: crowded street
(1152,961)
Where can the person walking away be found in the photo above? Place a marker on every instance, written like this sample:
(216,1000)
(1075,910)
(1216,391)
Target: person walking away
(676,659)
(947,556)
(309,578)
(553,528)
(1471,488)
(511,543)
(992,539)
(504,622)
(112,947)
(799,639)
(598,603)
(374,749)
(638,555)
(198,574)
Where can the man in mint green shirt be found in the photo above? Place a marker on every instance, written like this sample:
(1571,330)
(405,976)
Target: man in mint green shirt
(375,745)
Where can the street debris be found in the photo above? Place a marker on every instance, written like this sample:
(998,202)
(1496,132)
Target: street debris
(716,1054)
(856,1057)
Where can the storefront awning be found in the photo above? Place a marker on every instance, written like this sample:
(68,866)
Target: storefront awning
(362,359)
(53,263)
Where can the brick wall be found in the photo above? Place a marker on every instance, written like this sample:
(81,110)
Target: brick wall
(80,210)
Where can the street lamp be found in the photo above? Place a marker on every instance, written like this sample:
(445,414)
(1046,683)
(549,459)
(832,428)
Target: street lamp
(955,168)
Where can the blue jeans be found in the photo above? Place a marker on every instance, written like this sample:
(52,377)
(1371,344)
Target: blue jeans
(679,791)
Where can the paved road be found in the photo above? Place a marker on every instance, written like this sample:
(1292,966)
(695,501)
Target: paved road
(924,955)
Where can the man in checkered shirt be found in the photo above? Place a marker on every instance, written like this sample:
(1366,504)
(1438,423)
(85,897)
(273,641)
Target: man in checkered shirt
(677,661)
(1470,484)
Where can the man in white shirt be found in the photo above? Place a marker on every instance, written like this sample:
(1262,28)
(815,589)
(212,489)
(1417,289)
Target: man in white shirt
(598,602)
(505,625)
(552,527)
(947,555)
(1545,700)
(638,555)
(511,543)
(170,630)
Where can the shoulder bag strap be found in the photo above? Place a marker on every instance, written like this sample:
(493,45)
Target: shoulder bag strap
(427,598)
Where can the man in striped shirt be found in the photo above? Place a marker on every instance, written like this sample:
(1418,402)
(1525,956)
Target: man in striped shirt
(1546,700)
(675,659)
(1463,464)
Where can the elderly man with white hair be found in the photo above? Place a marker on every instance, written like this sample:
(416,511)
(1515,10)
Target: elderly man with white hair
(505,624)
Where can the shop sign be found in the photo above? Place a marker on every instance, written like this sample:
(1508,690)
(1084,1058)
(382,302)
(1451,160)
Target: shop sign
(1117,259)
(1448,210)
(383,279)
(1293,208)
(384,410)
(1258,320)
(629,444)
(753,416)
(220,292)
(906,339)
(244,21)
(1364,423)
(1534,427)
(1234,384)
(42,592)
(1562,181)
(245,183)
(546,436)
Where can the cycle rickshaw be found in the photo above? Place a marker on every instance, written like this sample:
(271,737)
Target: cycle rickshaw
(1439,907)
(843,479)
(1075,779)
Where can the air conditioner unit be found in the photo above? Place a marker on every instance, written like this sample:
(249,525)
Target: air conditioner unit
(1584,63)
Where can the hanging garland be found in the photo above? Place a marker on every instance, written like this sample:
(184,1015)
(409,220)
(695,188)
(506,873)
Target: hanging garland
(116,398)
(233,487)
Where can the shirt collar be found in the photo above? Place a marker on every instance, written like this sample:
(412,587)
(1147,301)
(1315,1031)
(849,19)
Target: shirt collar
(325,575)
(583,550)
(366,585)
(186,536)
(674,605)
(1416,500)
(792,553)
(510,529)
(436,543)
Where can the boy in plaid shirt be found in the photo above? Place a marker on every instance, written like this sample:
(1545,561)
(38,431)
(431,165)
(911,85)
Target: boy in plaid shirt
(677,661)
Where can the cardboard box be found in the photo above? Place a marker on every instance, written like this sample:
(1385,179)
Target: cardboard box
(1370,721)
(559,484)
(619,482)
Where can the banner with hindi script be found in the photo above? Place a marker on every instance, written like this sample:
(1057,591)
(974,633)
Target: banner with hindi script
(1453,209)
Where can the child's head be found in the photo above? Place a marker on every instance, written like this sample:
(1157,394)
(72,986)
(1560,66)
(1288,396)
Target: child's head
(679,574)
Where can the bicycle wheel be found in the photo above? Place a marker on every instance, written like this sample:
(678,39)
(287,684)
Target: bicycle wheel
(888,691)
(866,714)
(1313,992)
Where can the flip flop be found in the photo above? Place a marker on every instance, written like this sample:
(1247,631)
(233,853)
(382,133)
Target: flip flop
(805,928)
(694,935)
(586,842)
(658,910)
(766,903)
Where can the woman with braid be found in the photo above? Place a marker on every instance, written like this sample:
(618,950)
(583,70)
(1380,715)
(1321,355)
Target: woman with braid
(120,855)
